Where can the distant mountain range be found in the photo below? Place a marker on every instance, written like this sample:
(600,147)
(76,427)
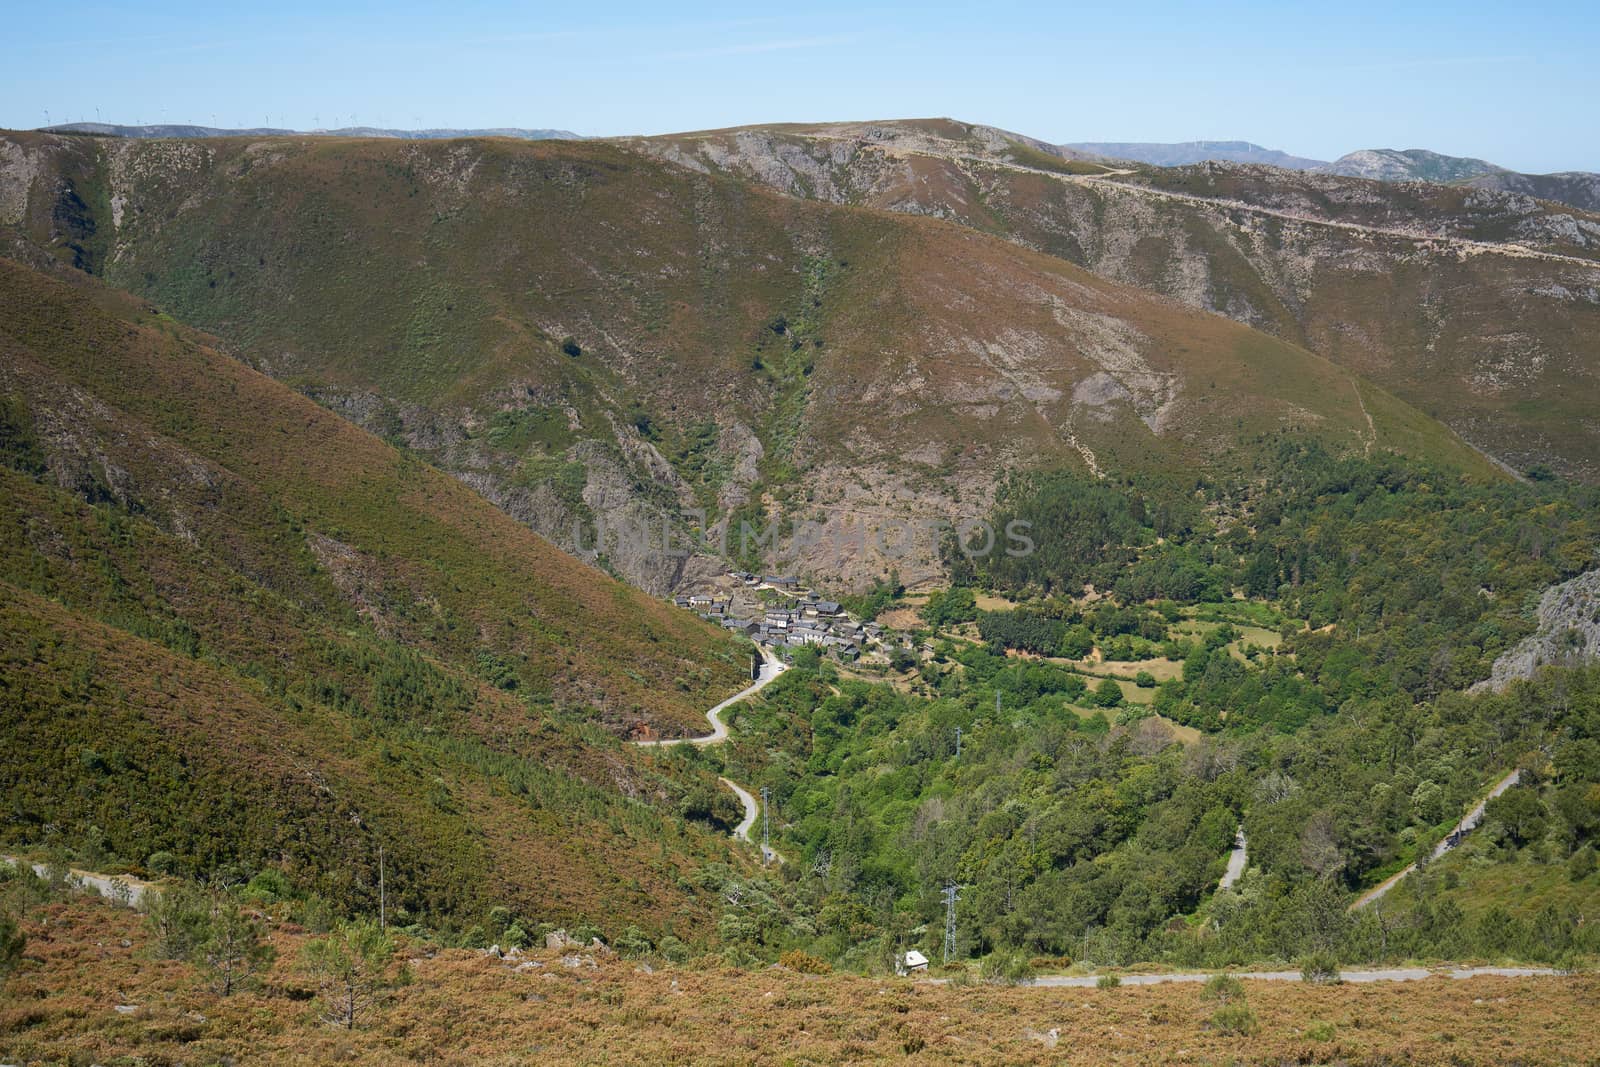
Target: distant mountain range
(106,129)
(1580,189)
(1185,152)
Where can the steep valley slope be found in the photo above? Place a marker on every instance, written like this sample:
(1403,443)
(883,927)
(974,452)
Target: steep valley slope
(239,631)
(585,332)
(1479,307)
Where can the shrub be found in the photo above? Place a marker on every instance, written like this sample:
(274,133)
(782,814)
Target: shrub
(1007,967)
(570,346)
(673,950)
(267,886)
(1235,1020)
(1108,694)
(1144,680)
(161,863)
(1319,968)
(1107,981)
(1572,962)
(1222,988)
(1582,864)
(1321,1031)
(12,943)
(633,943)
(804,962)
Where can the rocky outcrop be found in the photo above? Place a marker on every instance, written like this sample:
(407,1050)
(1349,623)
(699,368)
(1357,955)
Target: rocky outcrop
(1412,164)
(1580,189)
(1569,634)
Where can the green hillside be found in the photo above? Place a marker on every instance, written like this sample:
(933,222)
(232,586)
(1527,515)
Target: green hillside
(239,631)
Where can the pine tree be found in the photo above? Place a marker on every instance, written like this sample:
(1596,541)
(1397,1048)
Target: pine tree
(235,948)
(352,965)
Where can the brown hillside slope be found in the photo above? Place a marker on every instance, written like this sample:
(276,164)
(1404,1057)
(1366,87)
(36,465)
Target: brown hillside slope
(730,348)
(1479,308)
(462,1007)
(240,630)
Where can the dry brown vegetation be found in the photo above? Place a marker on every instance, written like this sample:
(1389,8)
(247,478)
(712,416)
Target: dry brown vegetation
(85,959)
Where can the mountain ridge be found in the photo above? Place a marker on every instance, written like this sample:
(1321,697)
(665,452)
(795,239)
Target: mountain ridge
(183,130)
(1372,275)
(1181,153)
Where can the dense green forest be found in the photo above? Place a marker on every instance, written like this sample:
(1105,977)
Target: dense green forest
(1332,726)
(1084,838)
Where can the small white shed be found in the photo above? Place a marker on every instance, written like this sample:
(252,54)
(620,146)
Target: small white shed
(911,962)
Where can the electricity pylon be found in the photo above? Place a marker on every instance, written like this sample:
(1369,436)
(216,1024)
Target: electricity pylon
(950,891)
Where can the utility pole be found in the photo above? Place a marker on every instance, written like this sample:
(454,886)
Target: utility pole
(383,898)
(950,891)
(766,825)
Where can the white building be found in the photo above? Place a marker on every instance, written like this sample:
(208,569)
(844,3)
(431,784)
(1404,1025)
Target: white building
(911,962)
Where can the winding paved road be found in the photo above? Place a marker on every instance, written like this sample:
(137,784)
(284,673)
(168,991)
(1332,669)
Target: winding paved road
(1237,860)
(1394,974)
(1468,823)
(1464,246)
(114,887)
(771,668)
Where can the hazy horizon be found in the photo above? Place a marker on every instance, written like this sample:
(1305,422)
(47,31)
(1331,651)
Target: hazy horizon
(1461,80)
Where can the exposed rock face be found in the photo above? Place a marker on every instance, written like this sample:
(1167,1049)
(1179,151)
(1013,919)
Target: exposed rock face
(1569,633)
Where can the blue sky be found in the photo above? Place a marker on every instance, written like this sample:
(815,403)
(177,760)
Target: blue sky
(1512,83)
